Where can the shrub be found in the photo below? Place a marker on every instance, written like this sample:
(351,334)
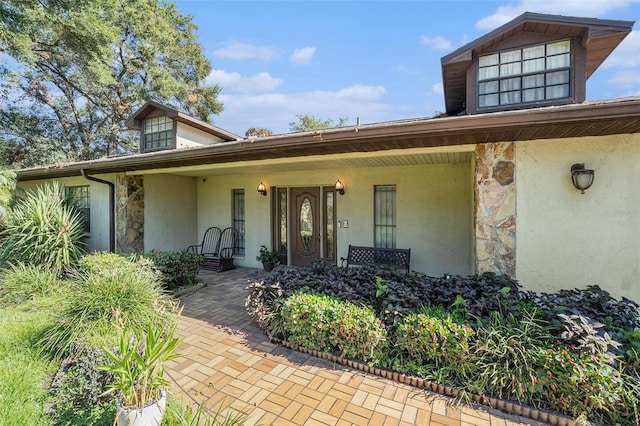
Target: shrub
(21,283)
(593,303)
(43,230)
(100,301)
(325,323)
(77,392)
(104,262)
(178,269)
(631,348)
(262,303)
(583,334)
(395,294)
(586,384)
(434,337)
(506,354)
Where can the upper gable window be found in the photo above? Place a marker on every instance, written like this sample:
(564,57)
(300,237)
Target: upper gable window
(158,133)
(530,74)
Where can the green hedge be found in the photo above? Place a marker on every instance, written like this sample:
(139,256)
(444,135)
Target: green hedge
(325,323)
(178,269)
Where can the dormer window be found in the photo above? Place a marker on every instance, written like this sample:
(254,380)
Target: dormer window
(159,133)
(529,74)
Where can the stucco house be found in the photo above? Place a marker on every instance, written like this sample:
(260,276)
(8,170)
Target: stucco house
(486,186)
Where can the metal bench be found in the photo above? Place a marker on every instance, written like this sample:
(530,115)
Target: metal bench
(384,257)
(217,248)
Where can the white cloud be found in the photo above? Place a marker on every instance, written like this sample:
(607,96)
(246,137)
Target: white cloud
(234,82)
(626,54)
(361,93)
(437,88)
(591,8)
(222,78)
(303,56)
(436,42)
(626,79)
(239,50)
(261,82)
(276,110)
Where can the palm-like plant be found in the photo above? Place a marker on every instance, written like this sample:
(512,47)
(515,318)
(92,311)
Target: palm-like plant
(7,186)
(42,229)
(138,365)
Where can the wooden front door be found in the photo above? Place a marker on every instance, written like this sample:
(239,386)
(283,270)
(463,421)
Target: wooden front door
(305,225)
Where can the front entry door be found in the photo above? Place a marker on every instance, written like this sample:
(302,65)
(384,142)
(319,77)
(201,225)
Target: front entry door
(305,225)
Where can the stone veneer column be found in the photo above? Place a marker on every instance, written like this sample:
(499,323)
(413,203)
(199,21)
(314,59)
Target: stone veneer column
(130,213)
(495,208)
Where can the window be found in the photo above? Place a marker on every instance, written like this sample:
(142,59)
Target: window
(238,219)
(78,197)
(530,74)
(329,248)
(384,222)
(158,133)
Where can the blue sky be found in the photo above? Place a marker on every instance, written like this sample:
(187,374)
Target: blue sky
(377,60)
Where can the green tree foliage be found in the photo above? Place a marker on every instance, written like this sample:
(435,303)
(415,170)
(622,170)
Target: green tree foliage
(307,123)
(257,131)
(75,70)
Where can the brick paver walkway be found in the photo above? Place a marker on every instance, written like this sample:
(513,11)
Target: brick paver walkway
(230,363)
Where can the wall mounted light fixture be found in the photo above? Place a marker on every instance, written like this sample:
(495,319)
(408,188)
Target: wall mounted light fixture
(582,178)
(262,189)
(340,187)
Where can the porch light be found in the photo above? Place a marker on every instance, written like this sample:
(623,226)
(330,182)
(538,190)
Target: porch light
(262,189)
(340,187)
(582,178)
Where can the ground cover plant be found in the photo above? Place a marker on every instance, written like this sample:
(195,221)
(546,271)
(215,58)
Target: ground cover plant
(575,352)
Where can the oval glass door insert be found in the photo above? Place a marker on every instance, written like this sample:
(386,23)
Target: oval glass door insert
(306,224)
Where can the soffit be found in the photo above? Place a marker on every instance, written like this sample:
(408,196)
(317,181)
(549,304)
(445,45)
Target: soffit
(342,162)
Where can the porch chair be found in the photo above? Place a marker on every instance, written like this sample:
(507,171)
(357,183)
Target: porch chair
(217,248)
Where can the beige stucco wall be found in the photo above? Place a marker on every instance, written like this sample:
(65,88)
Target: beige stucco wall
(188,136)
(170,207)
(566,239)
(98,239)
(433,210)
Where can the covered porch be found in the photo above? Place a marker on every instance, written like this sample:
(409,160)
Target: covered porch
(420,198)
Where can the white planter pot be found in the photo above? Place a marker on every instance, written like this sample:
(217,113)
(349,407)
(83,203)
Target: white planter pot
(150,415)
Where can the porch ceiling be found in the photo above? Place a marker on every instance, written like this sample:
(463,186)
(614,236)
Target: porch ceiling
(463,154)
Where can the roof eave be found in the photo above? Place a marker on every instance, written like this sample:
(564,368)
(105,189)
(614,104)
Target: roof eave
(589,119)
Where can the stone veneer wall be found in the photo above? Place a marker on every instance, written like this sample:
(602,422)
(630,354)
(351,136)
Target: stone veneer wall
(130,213)
(495,208)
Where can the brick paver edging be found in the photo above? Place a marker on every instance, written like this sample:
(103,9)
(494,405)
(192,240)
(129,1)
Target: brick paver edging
(509,407)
